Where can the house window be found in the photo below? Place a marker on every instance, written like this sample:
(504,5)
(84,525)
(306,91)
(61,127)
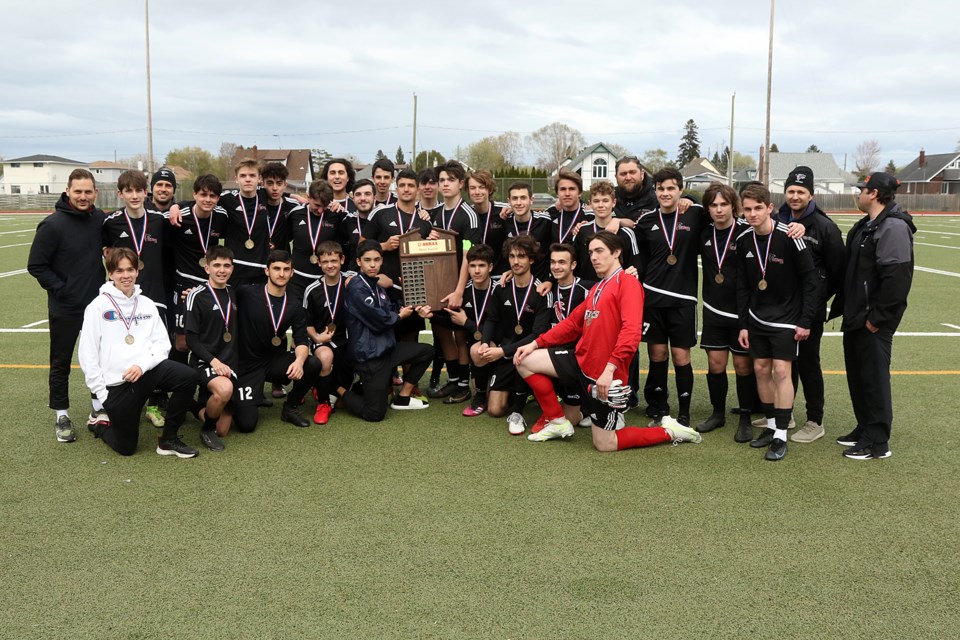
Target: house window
(38,165)
(15,189)
(44,188)
(599,168)
(14,165)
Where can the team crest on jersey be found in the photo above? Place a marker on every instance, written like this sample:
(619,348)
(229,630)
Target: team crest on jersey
(776,259)
(592,314)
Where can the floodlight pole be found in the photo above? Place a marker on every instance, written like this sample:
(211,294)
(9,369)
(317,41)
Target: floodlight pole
(149,101)
(766,156)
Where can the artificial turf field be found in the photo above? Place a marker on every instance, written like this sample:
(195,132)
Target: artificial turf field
(433,525)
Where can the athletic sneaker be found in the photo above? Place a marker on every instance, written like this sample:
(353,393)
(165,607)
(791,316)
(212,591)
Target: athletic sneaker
(211,440)
(849,440)
(444,391)
(868,452)
(809,432)
(291,414)
(585,421)
(154,416)
(322,414)
(415,404)
(478,406)
(65,430)
(556,428)
(762,422)
(516,425)
(98,418)
(678,432)
(462,394)
(175,447)
(278,391)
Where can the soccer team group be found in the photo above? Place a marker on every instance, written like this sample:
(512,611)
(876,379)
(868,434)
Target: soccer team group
(200,297)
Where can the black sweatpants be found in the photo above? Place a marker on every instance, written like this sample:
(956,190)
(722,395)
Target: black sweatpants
(125,402)
(807,368)
(867,359)
(246,414)
(64,331)
(375,376)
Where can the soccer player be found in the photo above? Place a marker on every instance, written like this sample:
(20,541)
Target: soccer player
(123,354)
(879,274)
(525,221)
(428,193)
(353,224)
(668,240)
(607,333)
(602,202)
(312,224)
(569,213)
(383,172)
(248,235)
(279,207)
(265,313)
(635,190)
(493,229)
(340,175)
(825,243)
(211,332)
(721,330)
(372,348)
(327,327)
(66,260)
(517,314)
(472,313)
(777,296)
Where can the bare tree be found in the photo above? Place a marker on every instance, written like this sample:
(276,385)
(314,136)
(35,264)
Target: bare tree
(867,157)
(494,152)
(655,159)
(554,143)
(617,149)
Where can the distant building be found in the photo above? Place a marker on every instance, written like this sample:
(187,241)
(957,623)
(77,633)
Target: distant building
(593,163)
(35,174)
(933,174)
(297,162)
(828,177)
(699,173)
(106,173)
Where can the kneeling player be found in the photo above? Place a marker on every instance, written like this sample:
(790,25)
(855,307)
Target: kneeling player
(123,353)
(210,324)
(607,330)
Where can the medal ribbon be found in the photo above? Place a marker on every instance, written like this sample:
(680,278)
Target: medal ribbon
(274,319)
(486,225)
(271,227)
(126,323)
(413,219)
(573,223)
(663,228)
(529,224)
(721,258)
(763,265)
(336,301)
(478,311)
(249,224)
(598,290)
(133,236)
(226,317)
(314,239)
(204,242)
(519,308)
(564,310)
(453,214)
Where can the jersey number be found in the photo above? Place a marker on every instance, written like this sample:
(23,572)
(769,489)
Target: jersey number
(246,393)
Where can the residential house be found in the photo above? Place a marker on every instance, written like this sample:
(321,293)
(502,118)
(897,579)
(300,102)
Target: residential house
(593,163)
(931,174)
(37,174)
(297,162)
(107,173)
(699,173)
(828,177)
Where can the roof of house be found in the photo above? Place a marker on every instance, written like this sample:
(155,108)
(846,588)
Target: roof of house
(297,161)
(699,166)
(106,164)
(45,158)
(933,165)
(823,165)
(586,151)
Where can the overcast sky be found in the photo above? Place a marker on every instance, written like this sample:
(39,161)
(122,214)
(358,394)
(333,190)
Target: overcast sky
(341,75)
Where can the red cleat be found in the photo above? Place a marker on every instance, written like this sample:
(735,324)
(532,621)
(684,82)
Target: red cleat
(322,415)
(540,424)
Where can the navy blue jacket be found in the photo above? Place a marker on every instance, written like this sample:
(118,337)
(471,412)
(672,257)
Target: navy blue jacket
(371,318)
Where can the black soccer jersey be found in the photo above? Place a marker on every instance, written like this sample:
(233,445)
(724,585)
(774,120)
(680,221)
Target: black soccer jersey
(476,304)
(257,326)
(352,227)
(324,305)
(540,226)
(391,221)
(512,306)
(568,298)
(389,202)
(777,282)
(660,236)
(492,228)
(461,219)
(565,222)
(210,323)
(145,235)
(347,206)
(309,230)
(192,238)
(718,248)
(628,254)
(247,234)
(279,223)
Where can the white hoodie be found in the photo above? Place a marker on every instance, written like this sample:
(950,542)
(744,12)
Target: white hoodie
(103,353)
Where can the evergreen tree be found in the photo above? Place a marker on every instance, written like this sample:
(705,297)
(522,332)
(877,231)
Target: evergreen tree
(380,154)
(399,157)
(891,168)
(689,144)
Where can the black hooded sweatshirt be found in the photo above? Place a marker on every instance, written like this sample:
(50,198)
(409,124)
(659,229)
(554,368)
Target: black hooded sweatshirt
(633,205)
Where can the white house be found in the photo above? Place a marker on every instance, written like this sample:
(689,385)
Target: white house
(37,174)
(828,178)
(699,173)
(107,173)
(595,162)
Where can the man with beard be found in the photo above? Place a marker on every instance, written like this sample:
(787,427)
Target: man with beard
(635,192)
(353,224)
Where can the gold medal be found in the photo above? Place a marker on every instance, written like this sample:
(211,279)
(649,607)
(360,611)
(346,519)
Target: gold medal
(313,259)
(227,336)
(332,327)
(140,265)
(762,285)
(518,330)
(718,278)
(275,341)
(129,339)
(477,336)
(671,259)
(249,243)
(203,262)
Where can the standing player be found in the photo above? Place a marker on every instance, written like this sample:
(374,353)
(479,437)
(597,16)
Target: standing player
(312,224)
(65,259)
(825,243)
(777,295)
(247,233)
(607,333)
(383,172)
(602,201)
(211,330)
(879,273)
(279,206)
(353,224)
(526,222)
(265,313)
(517,314)
(569,213)
(669,243)
(428,194)
(492,227)
(340,175)
(123,354)
(721,330)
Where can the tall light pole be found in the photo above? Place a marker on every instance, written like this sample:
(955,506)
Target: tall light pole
(733,101)
(149,101)
(766,155)
(413,161)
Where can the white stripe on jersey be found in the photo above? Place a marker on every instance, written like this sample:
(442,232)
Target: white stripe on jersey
(775,325)
(633,239)
(670,293)
(192,295)
(720,313)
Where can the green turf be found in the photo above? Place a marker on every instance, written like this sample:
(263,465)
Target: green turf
(433,525)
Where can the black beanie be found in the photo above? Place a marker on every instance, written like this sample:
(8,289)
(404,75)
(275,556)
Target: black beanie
(802,176)
(164,173)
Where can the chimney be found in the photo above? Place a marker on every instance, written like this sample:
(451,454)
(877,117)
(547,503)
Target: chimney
(923,158)
(254,152)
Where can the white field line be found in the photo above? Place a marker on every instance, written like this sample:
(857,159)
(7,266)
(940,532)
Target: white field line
(952,326)
(34,230)
(938,272)
(34,324)
(13,273)
(11,246)
(919,244)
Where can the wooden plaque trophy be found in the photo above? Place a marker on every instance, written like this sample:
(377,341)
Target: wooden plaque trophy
(429,268)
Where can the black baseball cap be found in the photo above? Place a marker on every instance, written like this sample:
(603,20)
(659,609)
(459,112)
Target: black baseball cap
(880,181)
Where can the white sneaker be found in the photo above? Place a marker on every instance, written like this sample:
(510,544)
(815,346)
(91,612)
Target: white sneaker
(415,403)
(587,421)
(556,428)
(679,433)
(516,424)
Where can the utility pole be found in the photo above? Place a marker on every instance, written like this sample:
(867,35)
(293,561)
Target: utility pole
(733,101)
(413,161)
(766,156)
(149,100)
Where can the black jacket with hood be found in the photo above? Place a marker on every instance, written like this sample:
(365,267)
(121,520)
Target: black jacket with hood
(825,242)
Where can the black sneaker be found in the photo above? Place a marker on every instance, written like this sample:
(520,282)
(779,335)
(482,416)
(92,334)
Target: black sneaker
(777,450)
(175,447)
(868,452)
(849,440)
(446,390)
(744,430)
(715,421)
(462,394)
(765,439)
(291,414)
(211,440)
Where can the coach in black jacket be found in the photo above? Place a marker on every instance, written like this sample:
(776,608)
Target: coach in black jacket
(878,277)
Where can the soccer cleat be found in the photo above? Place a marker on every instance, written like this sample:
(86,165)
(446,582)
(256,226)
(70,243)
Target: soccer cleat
(585,421)
(744,432)
(539,424)
(868,452)
(766,437)
(154,416)
(683,419)
(278,391)
(462,394)
(477,406)
(777,450)
(809,432)
(444,391)
(291,414)
(556,428)
(64,429)
(516,425)
(322,414)
(715,421)
(415,404)
(849,440)
(680,433)
(211,440)
(175,447)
